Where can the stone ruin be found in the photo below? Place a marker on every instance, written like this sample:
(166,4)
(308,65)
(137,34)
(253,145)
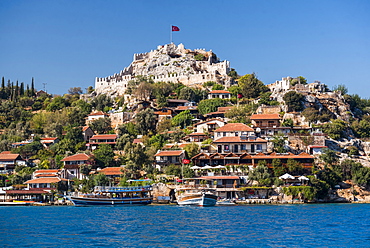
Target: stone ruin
(168,63)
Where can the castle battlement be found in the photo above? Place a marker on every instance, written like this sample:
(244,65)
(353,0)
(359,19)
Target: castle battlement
(168,63)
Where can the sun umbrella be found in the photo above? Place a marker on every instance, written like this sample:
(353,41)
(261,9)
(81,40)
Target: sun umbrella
(303,178)
(286,176)
(220,167)
(195,167)
(207,167)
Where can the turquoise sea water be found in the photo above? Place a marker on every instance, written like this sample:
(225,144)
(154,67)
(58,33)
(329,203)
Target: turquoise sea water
(319,225)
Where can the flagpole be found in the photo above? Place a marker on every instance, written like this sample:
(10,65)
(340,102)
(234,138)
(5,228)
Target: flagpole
(171,34)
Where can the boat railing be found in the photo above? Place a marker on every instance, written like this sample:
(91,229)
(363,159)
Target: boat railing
(122,189)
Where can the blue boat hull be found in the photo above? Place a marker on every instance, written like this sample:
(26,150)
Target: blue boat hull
(83,201)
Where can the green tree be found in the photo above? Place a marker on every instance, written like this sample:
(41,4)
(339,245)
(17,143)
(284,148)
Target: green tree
(123,140)
(278,167)
(199,57)
(157,141)
(218,87)
(187,93)
(233,74)
(241,113)
(101,180)
(234,90)
(101,125)
(297,80)
(90,90)
(260,173)
(210,105)
(342,88)
(329,157)
(173,169)
(183,119)
(144,91)
(75,91)
(145,121)
(30,149)
(56,104)
(294,167)
(101,102)
(192,149)
(336,129)
(294,100)
(104,155)
(361,128)
(287,123)
(135,157)
(251,86)
(279,143)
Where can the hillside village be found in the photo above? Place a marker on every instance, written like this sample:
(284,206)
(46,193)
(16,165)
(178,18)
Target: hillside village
(178,115)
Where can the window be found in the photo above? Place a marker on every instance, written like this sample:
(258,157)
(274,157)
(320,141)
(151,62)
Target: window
(224,134)
(226,148)
(259,147)
(218,134)
(236,133)
(243,147)
(236,148)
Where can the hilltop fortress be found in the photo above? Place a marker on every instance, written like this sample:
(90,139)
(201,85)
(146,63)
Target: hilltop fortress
(169,63)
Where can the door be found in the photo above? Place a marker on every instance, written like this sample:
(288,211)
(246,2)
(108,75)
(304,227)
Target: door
(252,148)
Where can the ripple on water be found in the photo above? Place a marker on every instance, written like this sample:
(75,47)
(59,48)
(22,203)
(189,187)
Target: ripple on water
(329,225)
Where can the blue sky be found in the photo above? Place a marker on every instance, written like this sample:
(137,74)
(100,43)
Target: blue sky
(68,43)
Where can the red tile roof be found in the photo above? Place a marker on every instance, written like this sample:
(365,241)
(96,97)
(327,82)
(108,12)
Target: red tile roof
(169,153)
(202,122)
(282,155)
(103,136)
(46,180)
(77,157)
(45,175)
(232,127)
(136,141)
(223,109)
(265,117)
(203,155)
(186,107)
(111,171)
(236,139)
(98,113)
(218,177)
(85,128)
(9,156)
(47,171)
(49,138)
(219,92)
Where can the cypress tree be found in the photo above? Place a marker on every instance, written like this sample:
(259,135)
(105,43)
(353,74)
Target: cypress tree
(12,92)
(2,88)
(28,91)
(8,90)
(33,87)
(21,89)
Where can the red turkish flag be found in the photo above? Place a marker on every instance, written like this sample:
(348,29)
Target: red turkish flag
(186,161)
(175,28)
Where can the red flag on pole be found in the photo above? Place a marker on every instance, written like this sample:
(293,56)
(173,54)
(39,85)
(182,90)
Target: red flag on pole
(175,28)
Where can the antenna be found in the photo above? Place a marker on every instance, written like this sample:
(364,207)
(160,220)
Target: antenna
(44,86)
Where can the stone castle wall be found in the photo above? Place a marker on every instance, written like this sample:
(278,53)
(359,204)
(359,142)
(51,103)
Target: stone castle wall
(169,63)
